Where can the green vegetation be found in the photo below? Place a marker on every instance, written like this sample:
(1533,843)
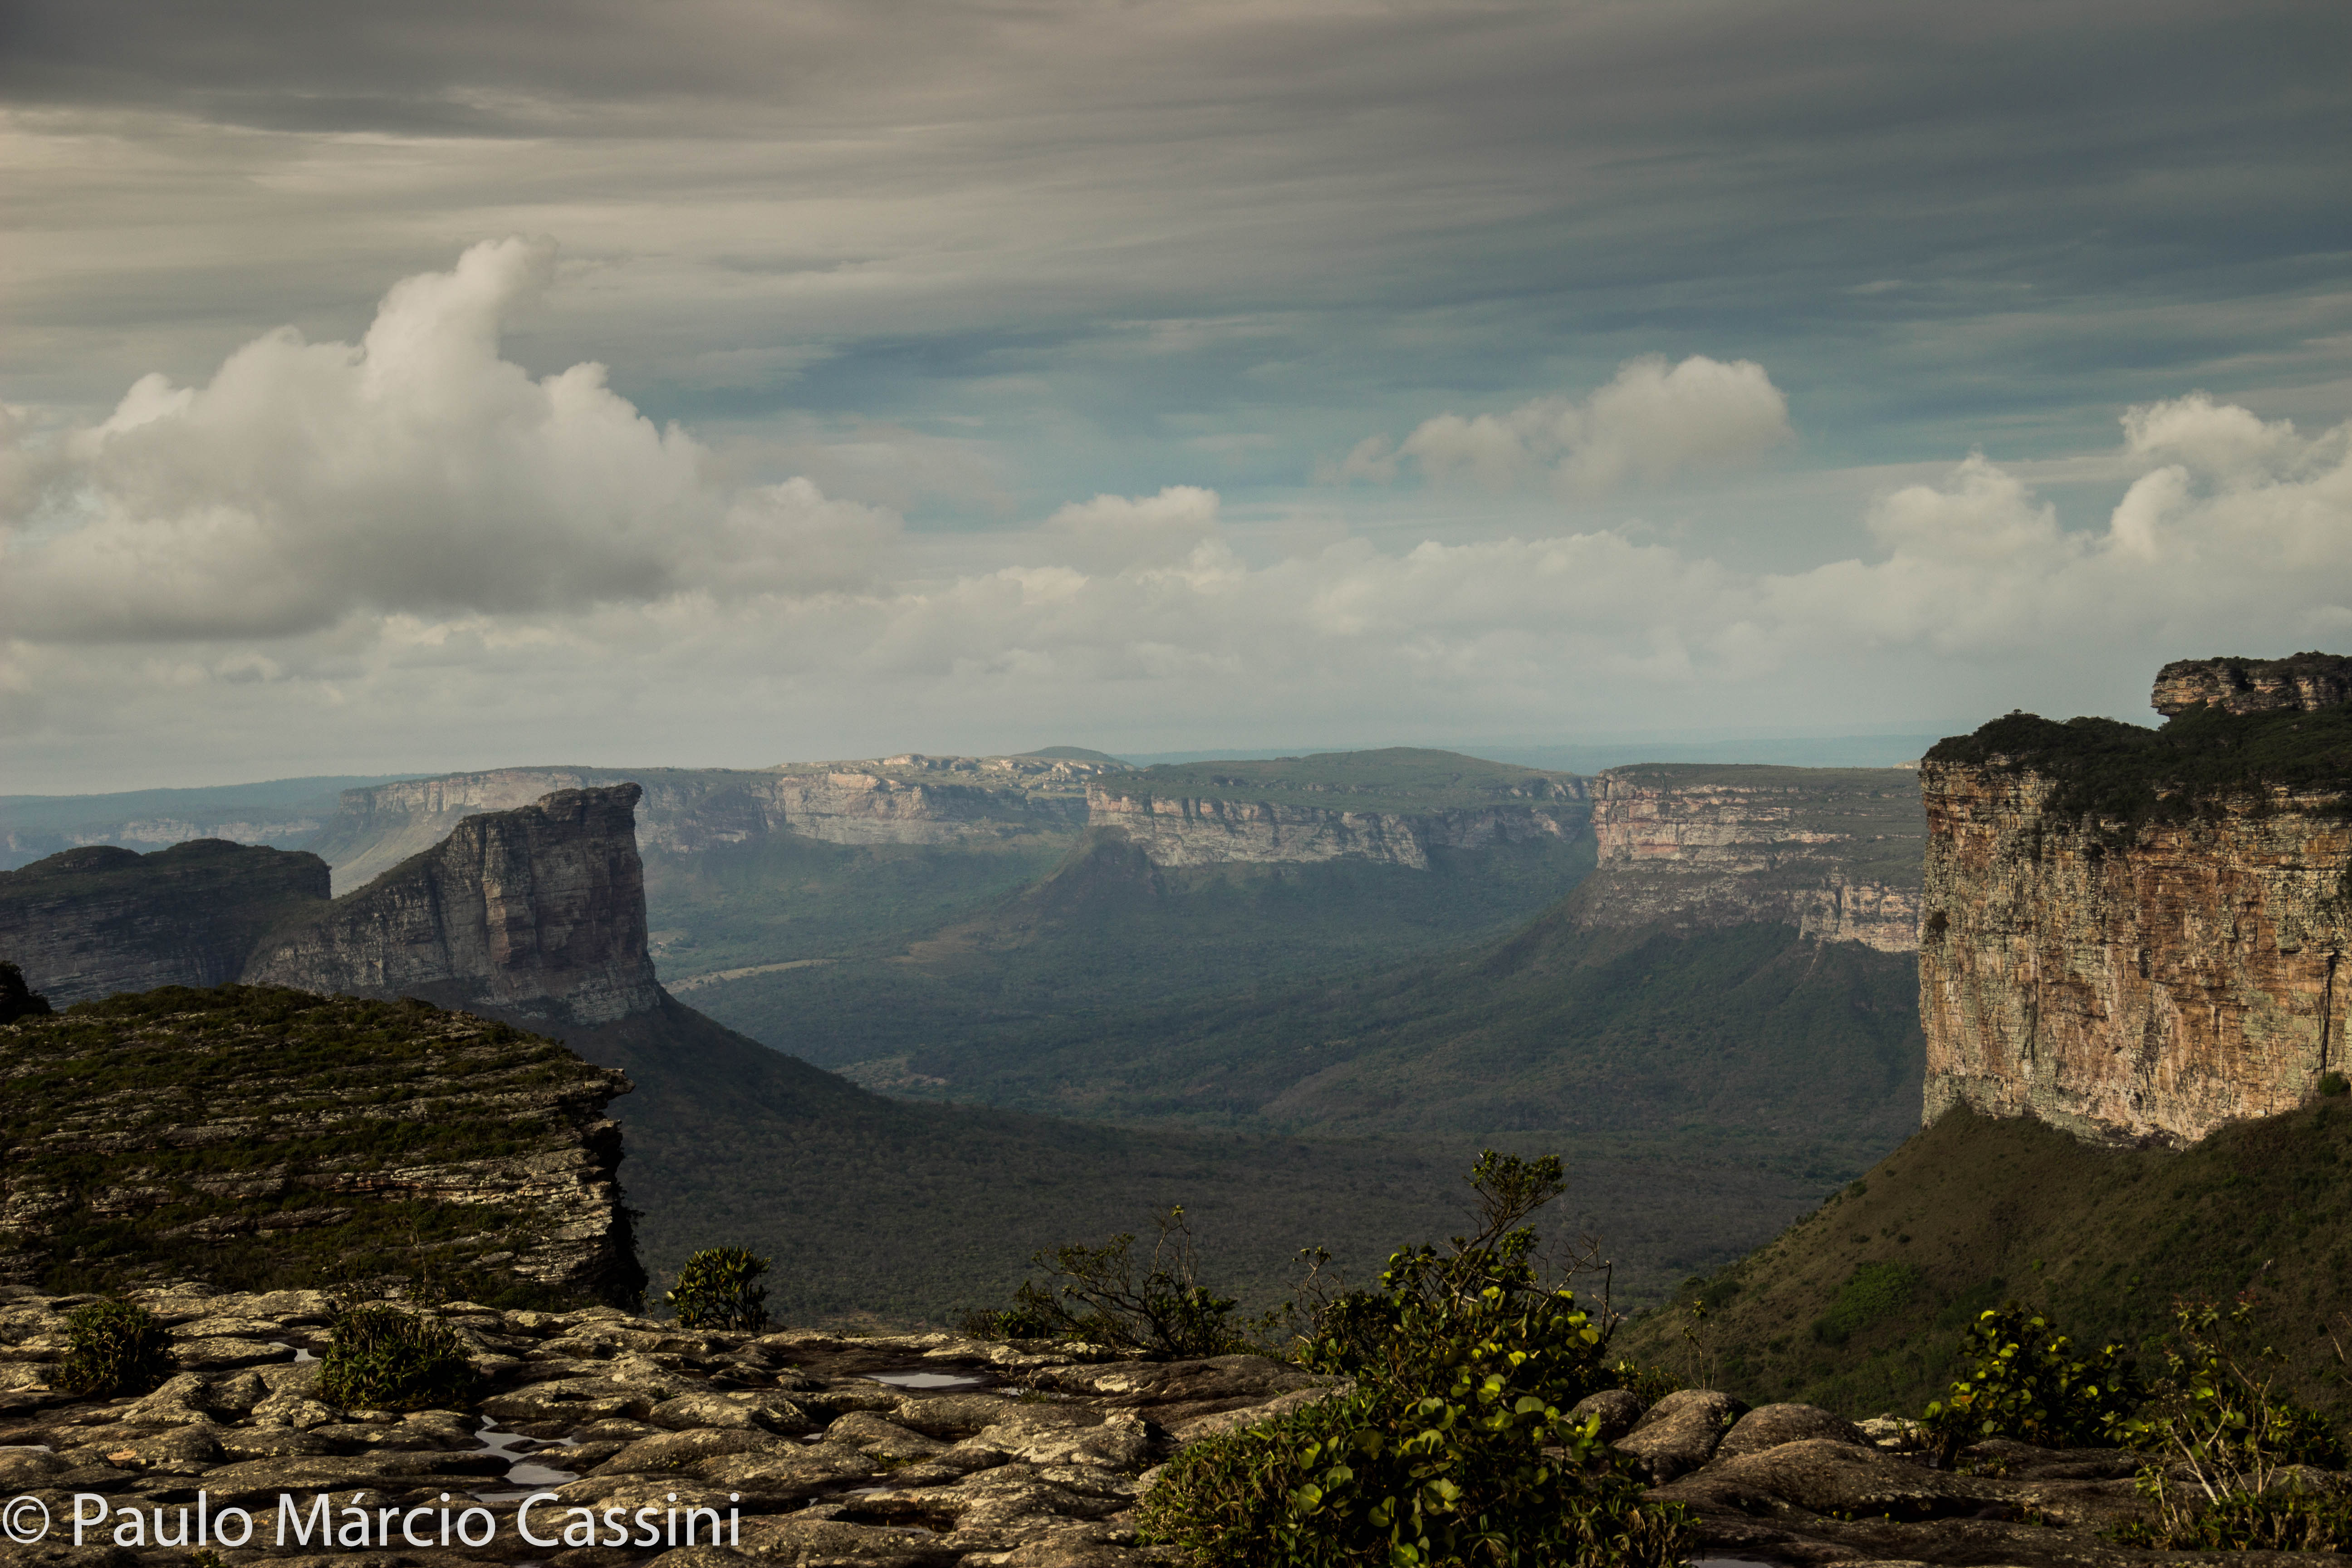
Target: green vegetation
(382,1357)
(18,1000)
(2102,1239)
(2025,1382)
(718,1288)
(114,1348)
(1876,1291)
(2199,763)
(1456,1446)
(1092,1294)
(249,1136)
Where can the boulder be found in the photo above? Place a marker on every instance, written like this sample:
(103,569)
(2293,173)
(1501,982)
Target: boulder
(1770,1426)
(1680,1433)
(1619,1409)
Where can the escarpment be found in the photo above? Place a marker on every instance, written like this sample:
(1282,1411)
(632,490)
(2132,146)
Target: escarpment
(1832,851)
(910,799)
(2305,682)
(538,911)
(2135,935)
(91,921)
(1193,831)
(264,1137)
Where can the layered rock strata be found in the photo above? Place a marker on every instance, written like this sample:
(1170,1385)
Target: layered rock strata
(89,923)
(538,911)
(1192,831)
(243,1132)
(2306,682)
(1832,851)
(918,1451)
(2129,982)
(910,799)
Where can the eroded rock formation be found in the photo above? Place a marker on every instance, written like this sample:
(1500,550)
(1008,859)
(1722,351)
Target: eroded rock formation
(2138,934)
(1174,831)
(2306,681)
(248,1133)
(89,923)
(1832,851)
(538,911)
(2153,982)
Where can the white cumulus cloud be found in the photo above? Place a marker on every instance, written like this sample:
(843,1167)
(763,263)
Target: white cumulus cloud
(1652,422)
(417,471)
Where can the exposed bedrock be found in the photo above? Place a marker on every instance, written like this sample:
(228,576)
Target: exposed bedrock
(2306,681)
(1174,831)
(538,911)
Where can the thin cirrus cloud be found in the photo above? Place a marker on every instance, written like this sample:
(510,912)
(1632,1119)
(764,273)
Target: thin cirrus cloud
(1652,422)
(417,471)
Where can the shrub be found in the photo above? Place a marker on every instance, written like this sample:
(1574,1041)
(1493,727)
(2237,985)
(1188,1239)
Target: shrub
(2286,1519)
(2217,1416)
(18,1000)
(1455,1445)
(2027,1382)
(2333,1083)
(114,1348)
(718,1288)
(382,1357)
(1093,1295)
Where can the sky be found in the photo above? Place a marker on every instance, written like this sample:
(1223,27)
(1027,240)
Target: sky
(413,388)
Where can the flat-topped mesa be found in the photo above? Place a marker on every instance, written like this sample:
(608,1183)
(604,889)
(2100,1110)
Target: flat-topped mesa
(1832,851)
(539,912)
(2305,681)
(901,800)
(2137,935)
(89,922)
(1184,830)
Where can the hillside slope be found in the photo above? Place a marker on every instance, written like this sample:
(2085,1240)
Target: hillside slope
(1859,1306)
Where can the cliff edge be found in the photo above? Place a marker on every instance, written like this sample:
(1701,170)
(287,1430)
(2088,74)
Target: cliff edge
(2136,935)
(538,911)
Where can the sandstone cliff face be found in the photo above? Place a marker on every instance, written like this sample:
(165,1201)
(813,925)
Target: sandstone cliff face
(2142,984)
(2307,682)
(910,799)
(268,1137)
(539,912)
(1183,831)
(89,923)
(1832,851)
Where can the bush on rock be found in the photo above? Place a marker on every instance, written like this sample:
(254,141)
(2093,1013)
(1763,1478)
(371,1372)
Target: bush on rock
(114,1348)
(384,1357)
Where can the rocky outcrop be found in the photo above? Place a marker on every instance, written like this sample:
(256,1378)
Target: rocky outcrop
(538,911)
(2128,982)
(1832,851)
(1174,831)
(2306,682)
(910,799)
(255,1135)
(89,923)
(922,1450)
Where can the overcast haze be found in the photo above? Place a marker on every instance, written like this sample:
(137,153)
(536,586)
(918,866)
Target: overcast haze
(416,387)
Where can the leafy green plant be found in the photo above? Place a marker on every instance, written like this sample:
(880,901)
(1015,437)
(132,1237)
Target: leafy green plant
(382,1357)
(2217,1416)
(1454,1445)
(114,1348)
(2333,1083)
(1095,1295)
(2285,1518)
(2027,1382)
(719,1289)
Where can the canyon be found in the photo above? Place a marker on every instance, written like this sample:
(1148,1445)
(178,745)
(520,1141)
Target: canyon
(2114,948)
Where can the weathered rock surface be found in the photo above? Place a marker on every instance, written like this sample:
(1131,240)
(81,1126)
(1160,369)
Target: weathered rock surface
(1180,830)
(538,911)
(2127,984)
(1680,1432)
(1011,1467)
(90,922)
(260,1131)
(1832,851)
(910,799)
(2308,681)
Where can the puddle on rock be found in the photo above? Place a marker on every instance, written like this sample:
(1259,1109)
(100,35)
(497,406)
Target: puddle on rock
(927,1380)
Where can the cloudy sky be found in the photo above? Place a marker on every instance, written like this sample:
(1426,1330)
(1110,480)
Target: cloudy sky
(410,387)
